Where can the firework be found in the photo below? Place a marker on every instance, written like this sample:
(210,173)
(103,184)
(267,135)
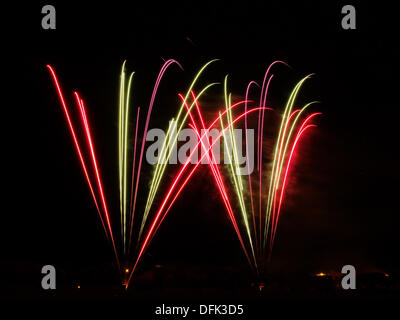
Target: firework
(256,236)
(261,235)
(128,207)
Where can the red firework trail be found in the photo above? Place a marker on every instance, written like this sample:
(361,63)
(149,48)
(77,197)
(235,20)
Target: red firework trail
(300,132)
(89,138)
(134,160)
(78,148)
(260,147)
(274,216)
(263,100)
(153,96)
(248,161)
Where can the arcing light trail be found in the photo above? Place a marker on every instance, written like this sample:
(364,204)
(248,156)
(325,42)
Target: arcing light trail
(263,231)
(255,234)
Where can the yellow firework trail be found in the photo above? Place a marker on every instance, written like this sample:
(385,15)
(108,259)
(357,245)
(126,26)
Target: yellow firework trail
(278,153)
(169,143)
(124,97)
(234,163)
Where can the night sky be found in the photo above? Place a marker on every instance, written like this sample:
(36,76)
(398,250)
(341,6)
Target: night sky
(342,201)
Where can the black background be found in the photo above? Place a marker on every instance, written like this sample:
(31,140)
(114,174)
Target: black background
(343,206)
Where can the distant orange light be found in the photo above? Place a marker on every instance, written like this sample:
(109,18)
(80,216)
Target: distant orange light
(158,266)
(387,275)
(321,274)
(79,287)
(126,270)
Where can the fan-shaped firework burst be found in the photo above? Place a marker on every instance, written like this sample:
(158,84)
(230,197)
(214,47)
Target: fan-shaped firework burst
(260,203)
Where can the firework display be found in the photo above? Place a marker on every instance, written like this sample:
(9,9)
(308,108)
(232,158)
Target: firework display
(255,229)
(200,160)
